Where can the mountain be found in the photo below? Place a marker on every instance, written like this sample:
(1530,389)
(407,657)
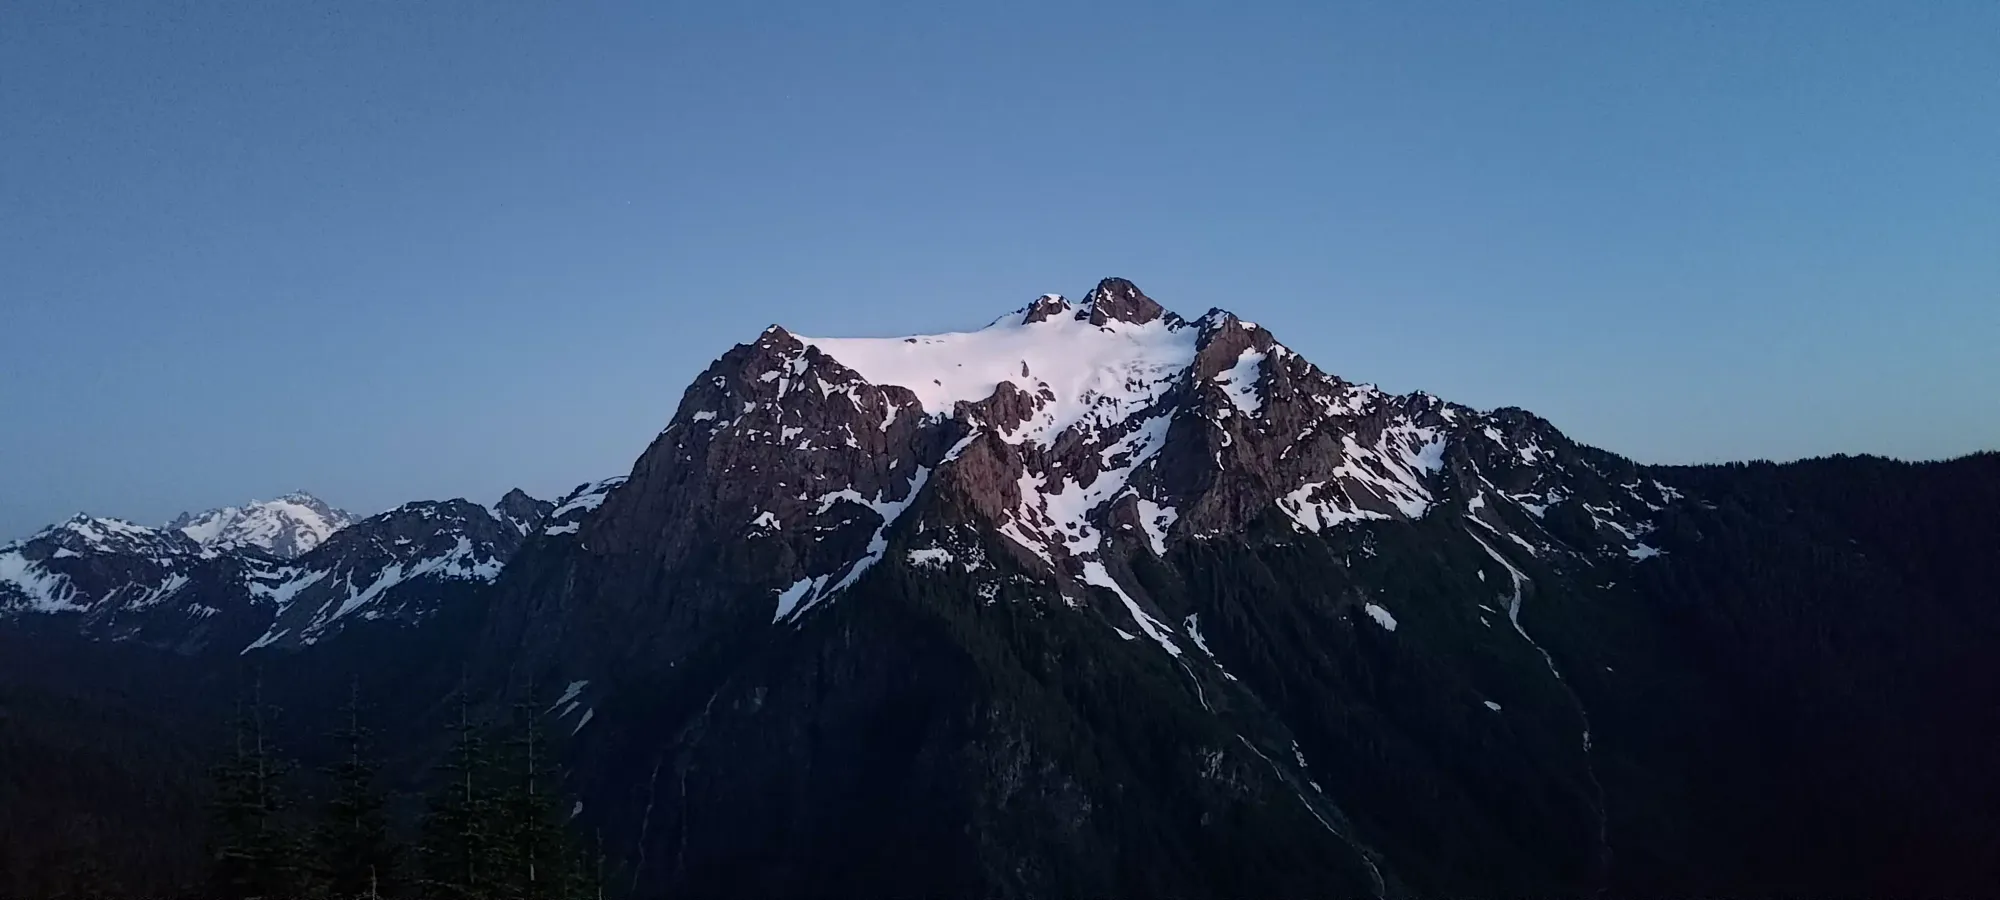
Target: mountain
(285,527)
(1104,600)
(198,589)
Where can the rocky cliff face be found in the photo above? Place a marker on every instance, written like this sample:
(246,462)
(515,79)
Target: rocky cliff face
(1095,577)
(1085,437)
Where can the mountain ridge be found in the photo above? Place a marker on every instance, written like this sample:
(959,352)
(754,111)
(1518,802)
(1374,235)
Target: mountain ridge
(285,527)
(1068,478)
(218,587)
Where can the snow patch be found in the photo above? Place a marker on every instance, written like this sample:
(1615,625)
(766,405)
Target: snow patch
(587,498)
(1193,626)
(932,557)
(570,693)
(1095,574)
(1333,508)
(1156,520)
(1095,375)
(1239,382)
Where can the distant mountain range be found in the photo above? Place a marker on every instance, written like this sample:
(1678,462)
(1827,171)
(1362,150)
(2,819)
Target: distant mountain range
(286,573)
(1098,600)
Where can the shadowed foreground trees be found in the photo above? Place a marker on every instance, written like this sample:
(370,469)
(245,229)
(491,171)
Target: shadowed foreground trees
(494,828)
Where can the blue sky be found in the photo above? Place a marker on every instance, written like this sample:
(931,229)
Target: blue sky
(407,250)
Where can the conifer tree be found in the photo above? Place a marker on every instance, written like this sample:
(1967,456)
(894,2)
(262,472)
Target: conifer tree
(459,846)
(255,852)
(587,878)
(353,853)
(539,856)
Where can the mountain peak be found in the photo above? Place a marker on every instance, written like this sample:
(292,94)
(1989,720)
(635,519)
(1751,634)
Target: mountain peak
(521,511)
(1079,436)
(99,530)
(1045,307)
(1115,299)
(288,526)
(85,533)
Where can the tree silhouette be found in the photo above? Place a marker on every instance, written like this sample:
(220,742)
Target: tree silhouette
(255,851)
(353,852)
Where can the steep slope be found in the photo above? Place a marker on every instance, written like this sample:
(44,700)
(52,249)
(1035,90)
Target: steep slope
(285,527)
(1094,577)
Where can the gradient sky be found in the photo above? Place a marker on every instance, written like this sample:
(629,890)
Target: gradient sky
(412,250)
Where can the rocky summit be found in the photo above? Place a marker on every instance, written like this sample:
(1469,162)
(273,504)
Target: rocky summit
(285,527)
(1105,600)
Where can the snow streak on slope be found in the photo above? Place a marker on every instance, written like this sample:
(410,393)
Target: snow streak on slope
(1366,855)
(1590,767)
(807,592)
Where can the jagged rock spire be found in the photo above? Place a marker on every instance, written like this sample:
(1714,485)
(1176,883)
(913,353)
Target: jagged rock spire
(1047,306)
(1115,299)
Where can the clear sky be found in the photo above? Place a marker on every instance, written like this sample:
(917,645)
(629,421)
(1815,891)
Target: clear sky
(407,250)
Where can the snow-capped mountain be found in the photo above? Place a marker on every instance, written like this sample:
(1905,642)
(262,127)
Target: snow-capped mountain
(1061,482)
(89,562)
(1085,435)
(285,527)
(219,582)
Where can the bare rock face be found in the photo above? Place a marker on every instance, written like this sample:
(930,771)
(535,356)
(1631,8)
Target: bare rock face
(1118,300)
(1079,438)
(1055,481)
(521,512)
(1045,307)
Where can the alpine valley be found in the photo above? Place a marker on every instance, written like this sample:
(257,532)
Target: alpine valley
(1096,601)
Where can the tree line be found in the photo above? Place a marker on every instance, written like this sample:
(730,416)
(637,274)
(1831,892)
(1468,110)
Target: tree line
(494,827)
